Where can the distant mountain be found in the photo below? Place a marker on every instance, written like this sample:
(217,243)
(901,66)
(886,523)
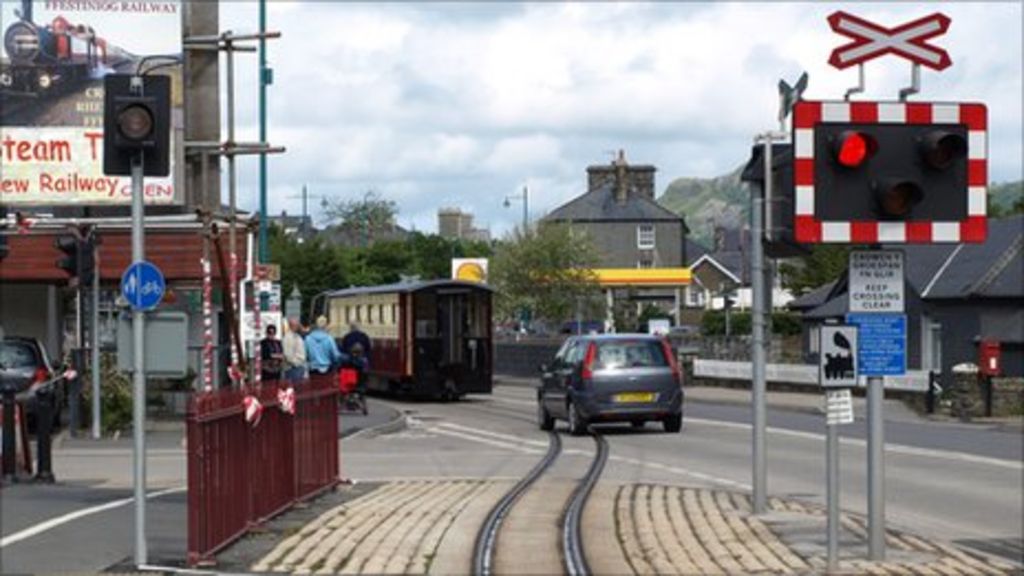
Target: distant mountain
(724,200)
(707,202)
(1003,195)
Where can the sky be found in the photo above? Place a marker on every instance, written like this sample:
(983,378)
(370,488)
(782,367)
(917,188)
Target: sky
(465,104)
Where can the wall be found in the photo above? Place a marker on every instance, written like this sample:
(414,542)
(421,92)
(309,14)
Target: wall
(523,359)
(616,243)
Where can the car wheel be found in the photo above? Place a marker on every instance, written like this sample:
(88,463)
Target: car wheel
(544,419)
(674,423)
(577,425)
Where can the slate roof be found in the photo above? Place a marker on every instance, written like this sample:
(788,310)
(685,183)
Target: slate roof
(599,205)
(814,298)
(994,269)
(694,250)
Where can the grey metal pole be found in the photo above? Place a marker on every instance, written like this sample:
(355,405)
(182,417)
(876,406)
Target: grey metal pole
(139,371)
(526,208)
(759,483)
(832,479)
(95,360)
(876,469)
(232,187)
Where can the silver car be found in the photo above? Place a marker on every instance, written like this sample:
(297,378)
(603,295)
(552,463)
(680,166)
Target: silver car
(611,378)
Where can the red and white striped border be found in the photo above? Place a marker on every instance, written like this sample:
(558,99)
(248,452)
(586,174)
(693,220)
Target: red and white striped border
(809,229)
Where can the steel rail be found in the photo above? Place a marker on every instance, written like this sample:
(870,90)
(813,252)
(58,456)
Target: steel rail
(487,538)
(572,537)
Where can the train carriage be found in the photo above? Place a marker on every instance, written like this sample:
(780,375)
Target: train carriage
(429,338)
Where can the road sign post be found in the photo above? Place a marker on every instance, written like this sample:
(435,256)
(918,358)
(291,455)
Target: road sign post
(139,371)
(876,306)
(837,373)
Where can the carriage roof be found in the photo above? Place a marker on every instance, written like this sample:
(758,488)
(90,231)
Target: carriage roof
(407,287)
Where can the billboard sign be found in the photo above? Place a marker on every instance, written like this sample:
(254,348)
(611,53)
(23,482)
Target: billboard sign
(54,57)
(469,269)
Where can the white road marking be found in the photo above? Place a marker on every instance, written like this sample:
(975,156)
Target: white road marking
(889,447)
(894,448)
(471,438)
(52,523)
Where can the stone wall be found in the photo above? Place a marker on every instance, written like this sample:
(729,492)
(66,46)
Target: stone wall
(523,359)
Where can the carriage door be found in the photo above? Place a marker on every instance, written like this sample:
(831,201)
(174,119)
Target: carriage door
(451,319)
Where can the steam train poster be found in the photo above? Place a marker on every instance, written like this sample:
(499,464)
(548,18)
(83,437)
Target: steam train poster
(55,55)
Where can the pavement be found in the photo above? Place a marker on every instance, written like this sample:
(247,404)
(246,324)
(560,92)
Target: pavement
(84,521)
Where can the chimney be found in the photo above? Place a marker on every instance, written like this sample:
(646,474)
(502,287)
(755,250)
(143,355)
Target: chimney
(621,179)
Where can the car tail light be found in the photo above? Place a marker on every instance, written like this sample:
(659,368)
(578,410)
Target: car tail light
(676,373)
(41,375)
(588,362)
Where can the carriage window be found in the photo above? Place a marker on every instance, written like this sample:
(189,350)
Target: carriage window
(359,313)
(348,312)
(380,313)
(394,313)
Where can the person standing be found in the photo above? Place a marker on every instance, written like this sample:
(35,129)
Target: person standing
(294,353)
(272,355)
(322,354)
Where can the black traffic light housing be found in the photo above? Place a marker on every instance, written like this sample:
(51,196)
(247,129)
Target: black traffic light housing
(79,260)
(889,172)
(4,249)
(779,241)
(136,120)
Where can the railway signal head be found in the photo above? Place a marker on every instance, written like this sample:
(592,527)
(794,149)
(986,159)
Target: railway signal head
(70,262)
(136,123)
(870,172)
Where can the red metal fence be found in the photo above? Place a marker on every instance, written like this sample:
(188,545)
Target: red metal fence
(240,475)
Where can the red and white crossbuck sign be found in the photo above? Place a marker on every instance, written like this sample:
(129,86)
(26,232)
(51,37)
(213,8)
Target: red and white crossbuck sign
(871,40)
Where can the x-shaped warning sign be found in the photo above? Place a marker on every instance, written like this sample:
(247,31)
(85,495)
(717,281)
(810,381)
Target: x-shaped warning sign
(907,40)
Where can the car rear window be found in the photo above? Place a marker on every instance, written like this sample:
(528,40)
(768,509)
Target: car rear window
(17,355)
(630,354)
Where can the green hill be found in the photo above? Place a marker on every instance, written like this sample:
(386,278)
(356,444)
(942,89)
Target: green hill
(723,200)
(705,202)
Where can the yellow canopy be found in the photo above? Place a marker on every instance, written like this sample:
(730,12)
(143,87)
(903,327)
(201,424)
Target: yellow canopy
(642,276)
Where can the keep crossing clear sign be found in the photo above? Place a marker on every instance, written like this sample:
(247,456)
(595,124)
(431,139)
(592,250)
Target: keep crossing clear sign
(876,281)
(837,363)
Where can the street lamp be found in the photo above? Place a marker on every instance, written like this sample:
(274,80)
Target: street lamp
(525,197)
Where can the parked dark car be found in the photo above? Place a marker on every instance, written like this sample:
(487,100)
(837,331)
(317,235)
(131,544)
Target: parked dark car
(611,378)
(24,362)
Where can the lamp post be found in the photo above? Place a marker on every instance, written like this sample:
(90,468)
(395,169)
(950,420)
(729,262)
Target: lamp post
(525,197)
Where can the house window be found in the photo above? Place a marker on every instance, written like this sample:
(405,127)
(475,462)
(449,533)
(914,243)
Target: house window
(645,262)
(645,236)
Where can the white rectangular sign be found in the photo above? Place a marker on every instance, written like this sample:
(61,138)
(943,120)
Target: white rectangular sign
(876,281)
(837,364)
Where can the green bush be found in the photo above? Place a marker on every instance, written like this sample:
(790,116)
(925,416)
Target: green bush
(713,323)
(115,396)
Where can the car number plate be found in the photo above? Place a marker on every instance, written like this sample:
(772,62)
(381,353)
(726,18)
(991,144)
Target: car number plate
(635,397)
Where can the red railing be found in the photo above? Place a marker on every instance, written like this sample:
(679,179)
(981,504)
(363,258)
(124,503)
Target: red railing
(240,475)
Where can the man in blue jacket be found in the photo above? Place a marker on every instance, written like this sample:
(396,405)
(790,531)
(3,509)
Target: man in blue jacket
(322,352)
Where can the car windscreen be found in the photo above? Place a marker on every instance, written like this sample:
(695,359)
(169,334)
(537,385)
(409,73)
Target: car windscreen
(614,354)
(15,355)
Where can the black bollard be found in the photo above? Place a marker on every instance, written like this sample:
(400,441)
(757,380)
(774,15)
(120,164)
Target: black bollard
(75,392)
(987,383)
(44,427)
(929,398)
(10,459)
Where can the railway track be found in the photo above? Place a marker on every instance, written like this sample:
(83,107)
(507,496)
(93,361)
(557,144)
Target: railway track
(574,560)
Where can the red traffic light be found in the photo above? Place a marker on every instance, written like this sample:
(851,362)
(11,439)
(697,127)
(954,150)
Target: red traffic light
(854,148)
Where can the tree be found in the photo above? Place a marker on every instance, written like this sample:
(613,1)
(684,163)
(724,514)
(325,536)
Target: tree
(825,263)
(312,266)
(363,219)
(546,271)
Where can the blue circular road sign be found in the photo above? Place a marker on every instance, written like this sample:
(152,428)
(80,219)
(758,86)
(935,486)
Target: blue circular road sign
(143,285)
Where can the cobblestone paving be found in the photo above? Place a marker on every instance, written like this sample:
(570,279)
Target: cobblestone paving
(423,526)
(672,530)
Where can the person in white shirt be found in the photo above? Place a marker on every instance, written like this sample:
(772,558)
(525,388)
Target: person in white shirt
(294,353)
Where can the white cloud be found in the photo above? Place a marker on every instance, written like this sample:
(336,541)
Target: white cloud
(461,104)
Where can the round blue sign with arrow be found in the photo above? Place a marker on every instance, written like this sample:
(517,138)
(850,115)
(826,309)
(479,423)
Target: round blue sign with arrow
(143,285)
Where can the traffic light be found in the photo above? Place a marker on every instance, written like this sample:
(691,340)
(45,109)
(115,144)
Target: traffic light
(79,260)
(889,172)
(729,300)
(136,120)
(69,263)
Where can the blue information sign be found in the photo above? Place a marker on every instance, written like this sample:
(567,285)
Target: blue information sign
(881,343)
(142,285)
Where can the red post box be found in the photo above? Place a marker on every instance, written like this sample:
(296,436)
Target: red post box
(989,358)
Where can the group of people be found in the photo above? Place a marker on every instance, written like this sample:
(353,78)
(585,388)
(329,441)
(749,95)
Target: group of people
(313,351)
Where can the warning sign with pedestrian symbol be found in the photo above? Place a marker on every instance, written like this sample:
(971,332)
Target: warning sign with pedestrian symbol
(837,365)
